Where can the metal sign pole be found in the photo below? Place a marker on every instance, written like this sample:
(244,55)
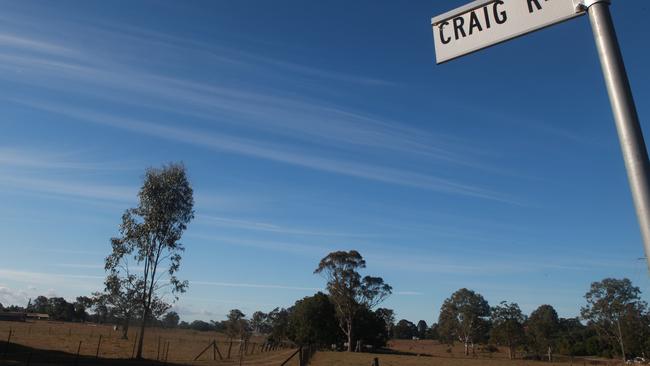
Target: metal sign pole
(625,114)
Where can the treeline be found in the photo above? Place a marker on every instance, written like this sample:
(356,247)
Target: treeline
(86,309)
(344,317)
(310,321)
(614,322)
(57,308)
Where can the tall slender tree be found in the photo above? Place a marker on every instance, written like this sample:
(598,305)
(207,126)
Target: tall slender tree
(611,303)
(348,290)
(151,234)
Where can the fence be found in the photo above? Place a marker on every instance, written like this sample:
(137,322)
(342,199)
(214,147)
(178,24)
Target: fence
(302,354)
(84,344)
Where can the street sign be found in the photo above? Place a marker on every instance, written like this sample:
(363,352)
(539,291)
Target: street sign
(484,23)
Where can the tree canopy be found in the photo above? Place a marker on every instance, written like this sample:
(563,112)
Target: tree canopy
(150,238)
(464,316)
(348,290)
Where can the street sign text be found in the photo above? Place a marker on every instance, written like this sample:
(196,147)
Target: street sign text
(484,23)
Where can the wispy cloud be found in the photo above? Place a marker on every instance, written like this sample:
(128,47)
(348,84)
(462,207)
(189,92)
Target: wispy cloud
(254,285)
(268,227)
(54,160)
(340,140)
(278,246)
(59,281)
(79,265)
(30,44)
(70,188)
(274,152)
(408,293)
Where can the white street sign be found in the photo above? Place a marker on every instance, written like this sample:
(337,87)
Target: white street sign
(484,23)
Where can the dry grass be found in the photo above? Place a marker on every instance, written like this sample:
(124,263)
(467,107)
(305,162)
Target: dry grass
(365,359)
(184,345)
(431,353)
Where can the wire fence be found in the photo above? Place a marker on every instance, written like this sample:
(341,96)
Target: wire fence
(79,344)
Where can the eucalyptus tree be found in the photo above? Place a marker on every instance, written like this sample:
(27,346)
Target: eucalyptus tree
(508,326)
(543,328)
(348,290)
(122,298)
(615,308)
(150,238)
(388,316)
(464,316)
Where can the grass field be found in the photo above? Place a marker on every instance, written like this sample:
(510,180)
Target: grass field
(366,359)
(49,340)
(38,342)
(431,353)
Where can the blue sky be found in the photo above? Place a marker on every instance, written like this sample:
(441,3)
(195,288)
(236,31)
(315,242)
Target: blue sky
(308,127)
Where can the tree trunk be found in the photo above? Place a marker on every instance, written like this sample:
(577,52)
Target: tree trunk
(141,339)
(550,354)
(349,335)
(511,352)
(620,340)
(466,348)
(125,328)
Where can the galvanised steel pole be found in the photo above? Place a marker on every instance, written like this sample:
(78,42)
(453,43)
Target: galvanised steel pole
(625,114)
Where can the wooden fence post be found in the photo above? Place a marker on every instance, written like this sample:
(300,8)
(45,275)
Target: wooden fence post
(290,357)
(206,348)
(241,351)
(158,350)
(167,351)
(76,359)
(99,343)
(135,343)
(216,349)
(4,355)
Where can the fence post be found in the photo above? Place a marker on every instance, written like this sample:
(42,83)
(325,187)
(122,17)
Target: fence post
(158,350)
(241,351)
(4,355)
(206,348)
(98,345)
(76,359)
(290,357)
(216,349)
(135,343)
